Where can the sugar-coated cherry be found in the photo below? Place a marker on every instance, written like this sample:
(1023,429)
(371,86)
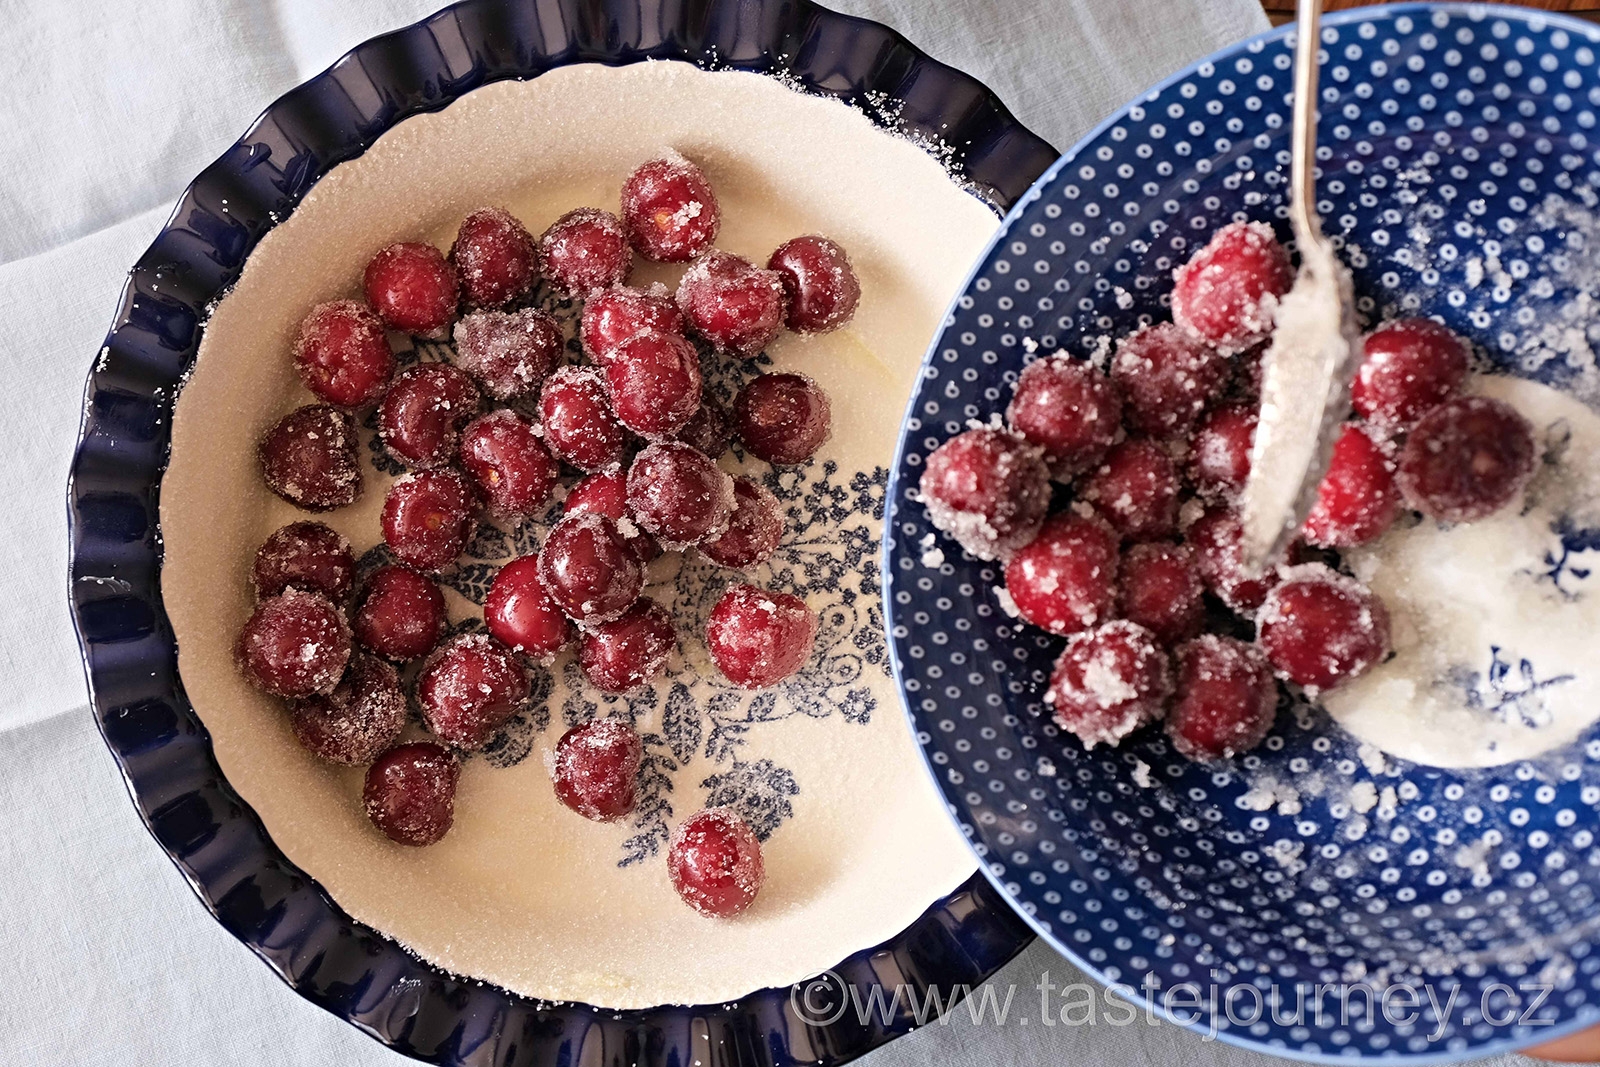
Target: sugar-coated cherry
(468,688)
(1065,580)
(614,316)
(1227,292)
(653,382)
(410,792)
(1358,499)
(1136,488)
(1219,453)
(579,425)
(309,458)
(988,489)
(1467,458)
(821,286)
(509,353)
(496,258)
(732,303)
(1069,409)
(521,614)
(709,429)
(585,250)
(413,288)
(782,418)
(342,354)
(606,493)
(509,464)
(679,495)
(669,211)
(1226,699)
(1161,589)
(596,769)
(1167,379)
(754,530)
(306,555)
(758,638)
(714,862)
(1409,367)
(363,715)
(421,416)
(589,569)
(1108,682)
(427,518)
(1218,541)
(401,615)
(294,644)
(621,655)
(1321,629)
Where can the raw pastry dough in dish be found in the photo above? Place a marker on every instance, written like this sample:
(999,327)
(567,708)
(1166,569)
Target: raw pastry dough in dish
(523,892)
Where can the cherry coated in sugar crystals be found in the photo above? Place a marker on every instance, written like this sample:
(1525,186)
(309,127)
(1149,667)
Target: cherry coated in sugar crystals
(468,688)
(1065,580)
(782,418)
(819,282)
(619,314)
(410,792)
(1408,367)
(732,303)
(669,211)
(624,654)
(1108,682)
(1069,409)
(496,258)
(306,555)
(1227,291)
(988,489)
(758,638)
(294,644)
(309,458)
(1226,699)
(421,416)
(363,715)
(509,353)
(596,769)
(401,615)
(1467,458)
(510,467)
(427,518)
(521,614)
(679,494)
(579,425)
(342,354)
(413,288)
(714,862)
(589,569)
(585,250)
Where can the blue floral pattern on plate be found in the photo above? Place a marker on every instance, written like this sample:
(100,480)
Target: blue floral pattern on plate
(1446,131)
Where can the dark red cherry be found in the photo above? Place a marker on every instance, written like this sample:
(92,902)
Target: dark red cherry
(714,861)
(509,353)
(309,458)
(521,614)
(294,644)
(413,288)
(596,769)
(819,282)
(468,688)
(410,792)
(669,211)
(342,354)
(427,518)
(496,258)
(401,615)
(306,555)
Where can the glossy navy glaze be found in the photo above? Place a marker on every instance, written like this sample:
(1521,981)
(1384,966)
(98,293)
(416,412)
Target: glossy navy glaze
(164,752)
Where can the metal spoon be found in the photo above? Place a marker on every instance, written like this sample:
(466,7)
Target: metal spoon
(1305,388)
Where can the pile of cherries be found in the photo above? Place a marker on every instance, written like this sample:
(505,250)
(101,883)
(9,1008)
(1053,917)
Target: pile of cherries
(1137,560)
(493,435)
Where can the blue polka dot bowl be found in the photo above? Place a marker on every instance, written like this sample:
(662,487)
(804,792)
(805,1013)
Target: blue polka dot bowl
(1316,928)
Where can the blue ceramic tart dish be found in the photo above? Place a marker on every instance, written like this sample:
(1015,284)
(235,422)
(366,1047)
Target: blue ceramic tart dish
(213,837)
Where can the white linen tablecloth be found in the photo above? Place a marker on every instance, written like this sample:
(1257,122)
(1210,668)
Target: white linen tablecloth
(107,956)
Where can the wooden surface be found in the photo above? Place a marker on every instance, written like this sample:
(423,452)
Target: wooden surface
(1281,11)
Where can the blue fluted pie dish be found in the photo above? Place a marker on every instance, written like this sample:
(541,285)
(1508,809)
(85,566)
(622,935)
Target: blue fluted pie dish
(1452,136)
(213,837)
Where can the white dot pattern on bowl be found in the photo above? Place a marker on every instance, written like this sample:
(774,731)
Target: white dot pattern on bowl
(1446,129)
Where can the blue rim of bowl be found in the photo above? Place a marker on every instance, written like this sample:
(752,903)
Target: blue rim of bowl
(894,489)
(129,653)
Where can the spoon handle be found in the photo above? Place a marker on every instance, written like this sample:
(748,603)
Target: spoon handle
(1303,170)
